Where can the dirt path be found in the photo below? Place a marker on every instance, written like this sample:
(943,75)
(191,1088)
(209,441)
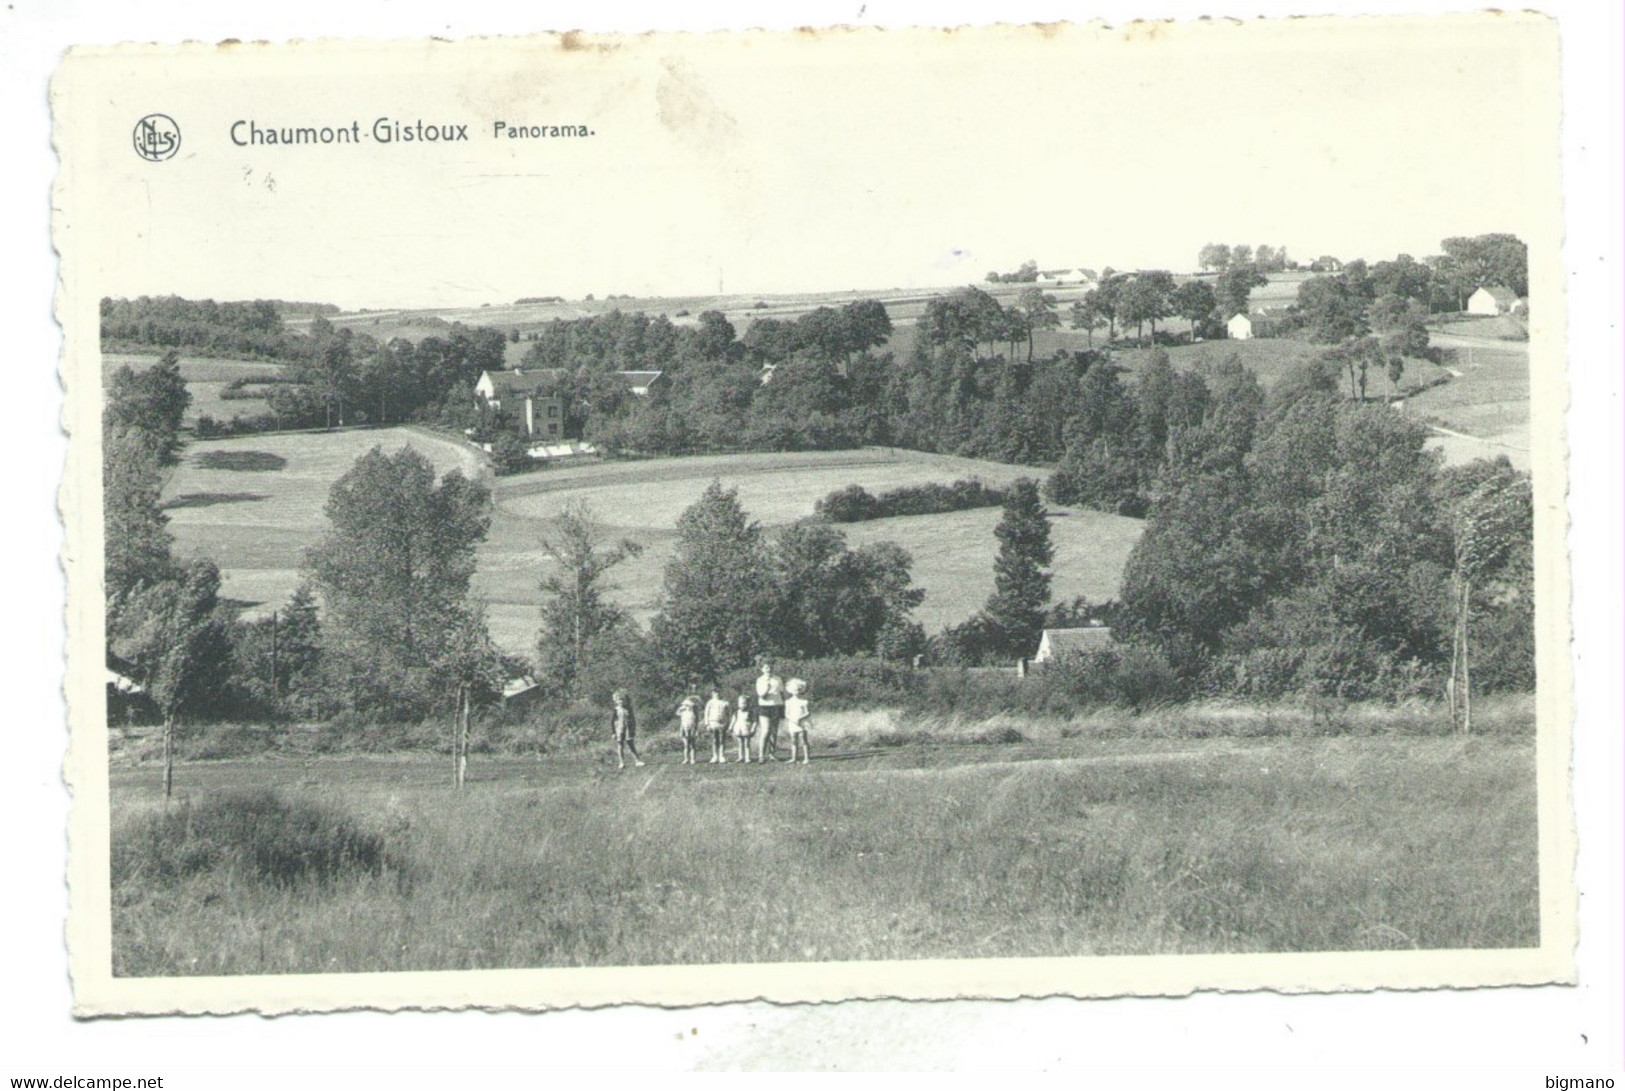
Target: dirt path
(586,767)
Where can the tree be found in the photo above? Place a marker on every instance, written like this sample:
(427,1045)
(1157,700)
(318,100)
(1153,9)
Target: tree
(179,640)
(576,612)
(1106,298)
(831,600)
(1490,527)
(717,599)
(1333,308)
(1087,316)
(1401,323)
(1214,256)
(1491,259)
(966,316)
(1102,465)
(714,339)
(1356,358)
(393,572)
(1404,277)
(1021,580)
(153,401)
(332,374)
(1235,286)
(137,548)
(1147,297)
(1038,313)
(1194,300)
(296,666)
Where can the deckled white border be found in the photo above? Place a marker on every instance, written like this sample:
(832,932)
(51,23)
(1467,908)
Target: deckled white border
(984,978)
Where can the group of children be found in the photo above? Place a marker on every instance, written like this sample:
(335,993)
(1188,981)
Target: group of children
(745,721)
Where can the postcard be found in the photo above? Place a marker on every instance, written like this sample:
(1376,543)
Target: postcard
(1012,512)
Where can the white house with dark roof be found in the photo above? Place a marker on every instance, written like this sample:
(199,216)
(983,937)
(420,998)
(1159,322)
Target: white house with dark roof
(530,396)
(1492,299)
(1058,642)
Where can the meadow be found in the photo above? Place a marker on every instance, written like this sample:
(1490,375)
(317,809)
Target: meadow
(642,500)
(1088,844)
(254,505)
(1488,395)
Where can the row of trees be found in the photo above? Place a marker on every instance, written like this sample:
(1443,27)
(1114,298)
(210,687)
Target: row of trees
(334,375)
(347,377)
(164,618)
(1217,257)
(253,329)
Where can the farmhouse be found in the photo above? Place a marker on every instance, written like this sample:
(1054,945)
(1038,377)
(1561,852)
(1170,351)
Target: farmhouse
(1063,276)
(643,383)
(1492,299)
(1058,642)
(1240,327)
(529,395)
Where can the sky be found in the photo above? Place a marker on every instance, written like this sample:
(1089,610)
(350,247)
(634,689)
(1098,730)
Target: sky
(799,162)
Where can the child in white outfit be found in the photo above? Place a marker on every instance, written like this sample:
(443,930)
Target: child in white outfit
(797,718)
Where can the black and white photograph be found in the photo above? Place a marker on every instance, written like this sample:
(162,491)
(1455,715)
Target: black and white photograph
(1021,511)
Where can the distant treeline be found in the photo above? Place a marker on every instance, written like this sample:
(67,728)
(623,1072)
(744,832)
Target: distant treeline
(855,504)
(252,329)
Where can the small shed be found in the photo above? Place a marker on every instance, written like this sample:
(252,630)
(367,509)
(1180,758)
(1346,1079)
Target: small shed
(521,694)
(1240,327)
(1055,643)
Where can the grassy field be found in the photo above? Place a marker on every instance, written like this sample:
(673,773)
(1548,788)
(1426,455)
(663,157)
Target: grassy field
(904,305)
(1489,397)
(1083,846)
(254,505)
(205,377)
(953,553)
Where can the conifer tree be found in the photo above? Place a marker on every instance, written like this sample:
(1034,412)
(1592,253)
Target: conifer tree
(1020,573)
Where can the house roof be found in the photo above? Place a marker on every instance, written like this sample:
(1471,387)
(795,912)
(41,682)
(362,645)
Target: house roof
(639,378)
(1090,639)
(1243,316)
(1501,292)
(516,687)
(520,383)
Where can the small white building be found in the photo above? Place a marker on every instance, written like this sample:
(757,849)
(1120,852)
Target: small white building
(1492,299)
(1061,277)
(1240,327)
(1058,642)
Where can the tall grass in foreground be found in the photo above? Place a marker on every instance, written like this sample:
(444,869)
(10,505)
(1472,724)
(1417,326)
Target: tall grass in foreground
(1294,845)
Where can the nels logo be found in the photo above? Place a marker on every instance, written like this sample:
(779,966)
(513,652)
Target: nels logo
(157,137)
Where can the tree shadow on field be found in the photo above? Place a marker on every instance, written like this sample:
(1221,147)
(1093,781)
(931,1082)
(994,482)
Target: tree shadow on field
(209,499)
(241,461)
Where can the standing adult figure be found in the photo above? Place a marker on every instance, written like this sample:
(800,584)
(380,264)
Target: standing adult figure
(769,711)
